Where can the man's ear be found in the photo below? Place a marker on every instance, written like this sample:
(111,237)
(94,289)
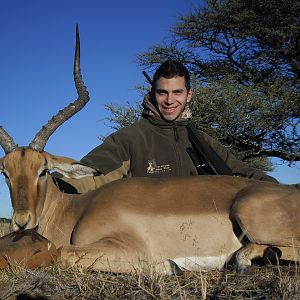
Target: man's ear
(189,95)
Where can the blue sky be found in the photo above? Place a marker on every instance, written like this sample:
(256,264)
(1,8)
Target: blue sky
(36,60)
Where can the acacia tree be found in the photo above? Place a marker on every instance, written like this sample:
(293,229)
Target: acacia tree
(245,58)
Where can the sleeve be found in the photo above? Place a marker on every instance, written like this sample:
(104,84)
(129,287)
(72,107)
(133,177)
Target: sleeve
(113,154)
(238,167)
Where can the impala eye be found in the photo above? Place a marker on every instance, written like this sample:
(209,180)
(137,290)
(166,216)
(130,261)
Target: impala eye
(44,173)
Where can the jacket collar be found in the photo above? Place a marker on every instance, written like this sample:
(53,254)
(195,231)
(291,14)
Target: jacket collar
(149,110)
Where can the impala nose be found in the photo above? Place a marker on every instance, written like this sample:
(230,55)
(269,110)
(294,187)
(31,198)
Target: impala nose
(22,226)
(21,220)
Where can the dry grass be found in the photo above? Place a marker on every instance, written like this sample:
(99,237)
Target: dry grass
(56,282)
(61,283)
(5,226)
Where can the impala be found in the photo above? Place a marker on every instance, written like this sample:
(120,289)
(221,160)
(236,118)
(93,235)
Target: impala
(177,223)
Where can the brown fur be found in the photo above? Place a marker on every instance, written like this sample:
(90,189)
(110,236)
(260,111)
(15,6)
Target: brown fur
(26,248)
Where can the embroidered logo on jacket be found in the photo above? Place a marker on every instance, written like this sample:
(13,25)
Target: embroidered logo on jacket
(154,168)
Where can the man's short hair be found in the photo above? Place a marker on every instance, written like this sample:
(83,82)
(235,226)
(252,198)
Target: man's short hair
(172,68)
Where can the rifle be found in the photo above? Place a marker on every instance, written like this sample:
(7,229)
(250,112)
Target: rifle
(206,160)
(148,78)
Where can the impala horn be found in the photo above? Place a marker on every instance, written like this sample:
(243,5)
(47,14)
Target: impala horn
(6,141)
(41,138)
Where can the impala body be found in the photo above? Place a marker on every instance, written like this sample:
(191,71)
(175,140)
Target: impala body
(185,222)
(192,223)
(128,220)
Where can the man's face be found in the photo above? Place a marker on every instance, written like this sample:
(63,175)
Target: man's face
(171,97)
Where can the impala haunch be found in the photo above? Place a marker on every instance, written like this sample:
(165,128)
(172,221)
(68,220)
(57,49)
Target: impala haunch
(175,223)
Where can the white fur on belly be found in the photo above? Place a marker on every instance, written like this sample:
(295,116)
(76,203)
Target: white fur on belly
(198,263)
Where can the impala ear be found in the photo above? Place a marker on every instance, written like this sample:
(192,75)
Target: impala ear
(71,168)
(75,170)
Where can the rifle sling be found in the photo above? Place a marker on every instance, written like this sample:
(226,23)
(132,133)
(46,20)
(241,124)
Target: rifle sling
(207,161)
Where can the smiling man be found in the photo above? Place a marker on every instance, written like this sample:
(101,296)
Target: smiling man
(171,96)
(160,143)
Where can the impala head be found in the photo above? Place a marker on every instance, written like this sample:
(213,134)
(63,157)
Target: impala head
(26,169)
(27,173)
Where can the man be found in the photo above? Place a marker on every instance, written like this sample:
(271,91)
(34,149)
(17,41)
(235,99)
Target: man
(161,143)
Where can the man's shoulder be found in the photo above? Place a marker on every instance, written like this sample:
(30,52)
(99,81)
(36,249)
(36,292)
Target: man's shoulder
(133,129)
(205,137)
(141,123)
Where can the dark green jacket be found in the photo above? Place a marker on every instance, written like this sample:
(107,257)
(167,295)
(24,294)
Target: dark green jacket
(153,147)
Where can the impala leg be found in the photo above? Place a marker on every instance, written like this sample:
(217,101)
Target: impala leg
(110,256)
(26,248)
(247,253)
(251,251)
(101,256)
